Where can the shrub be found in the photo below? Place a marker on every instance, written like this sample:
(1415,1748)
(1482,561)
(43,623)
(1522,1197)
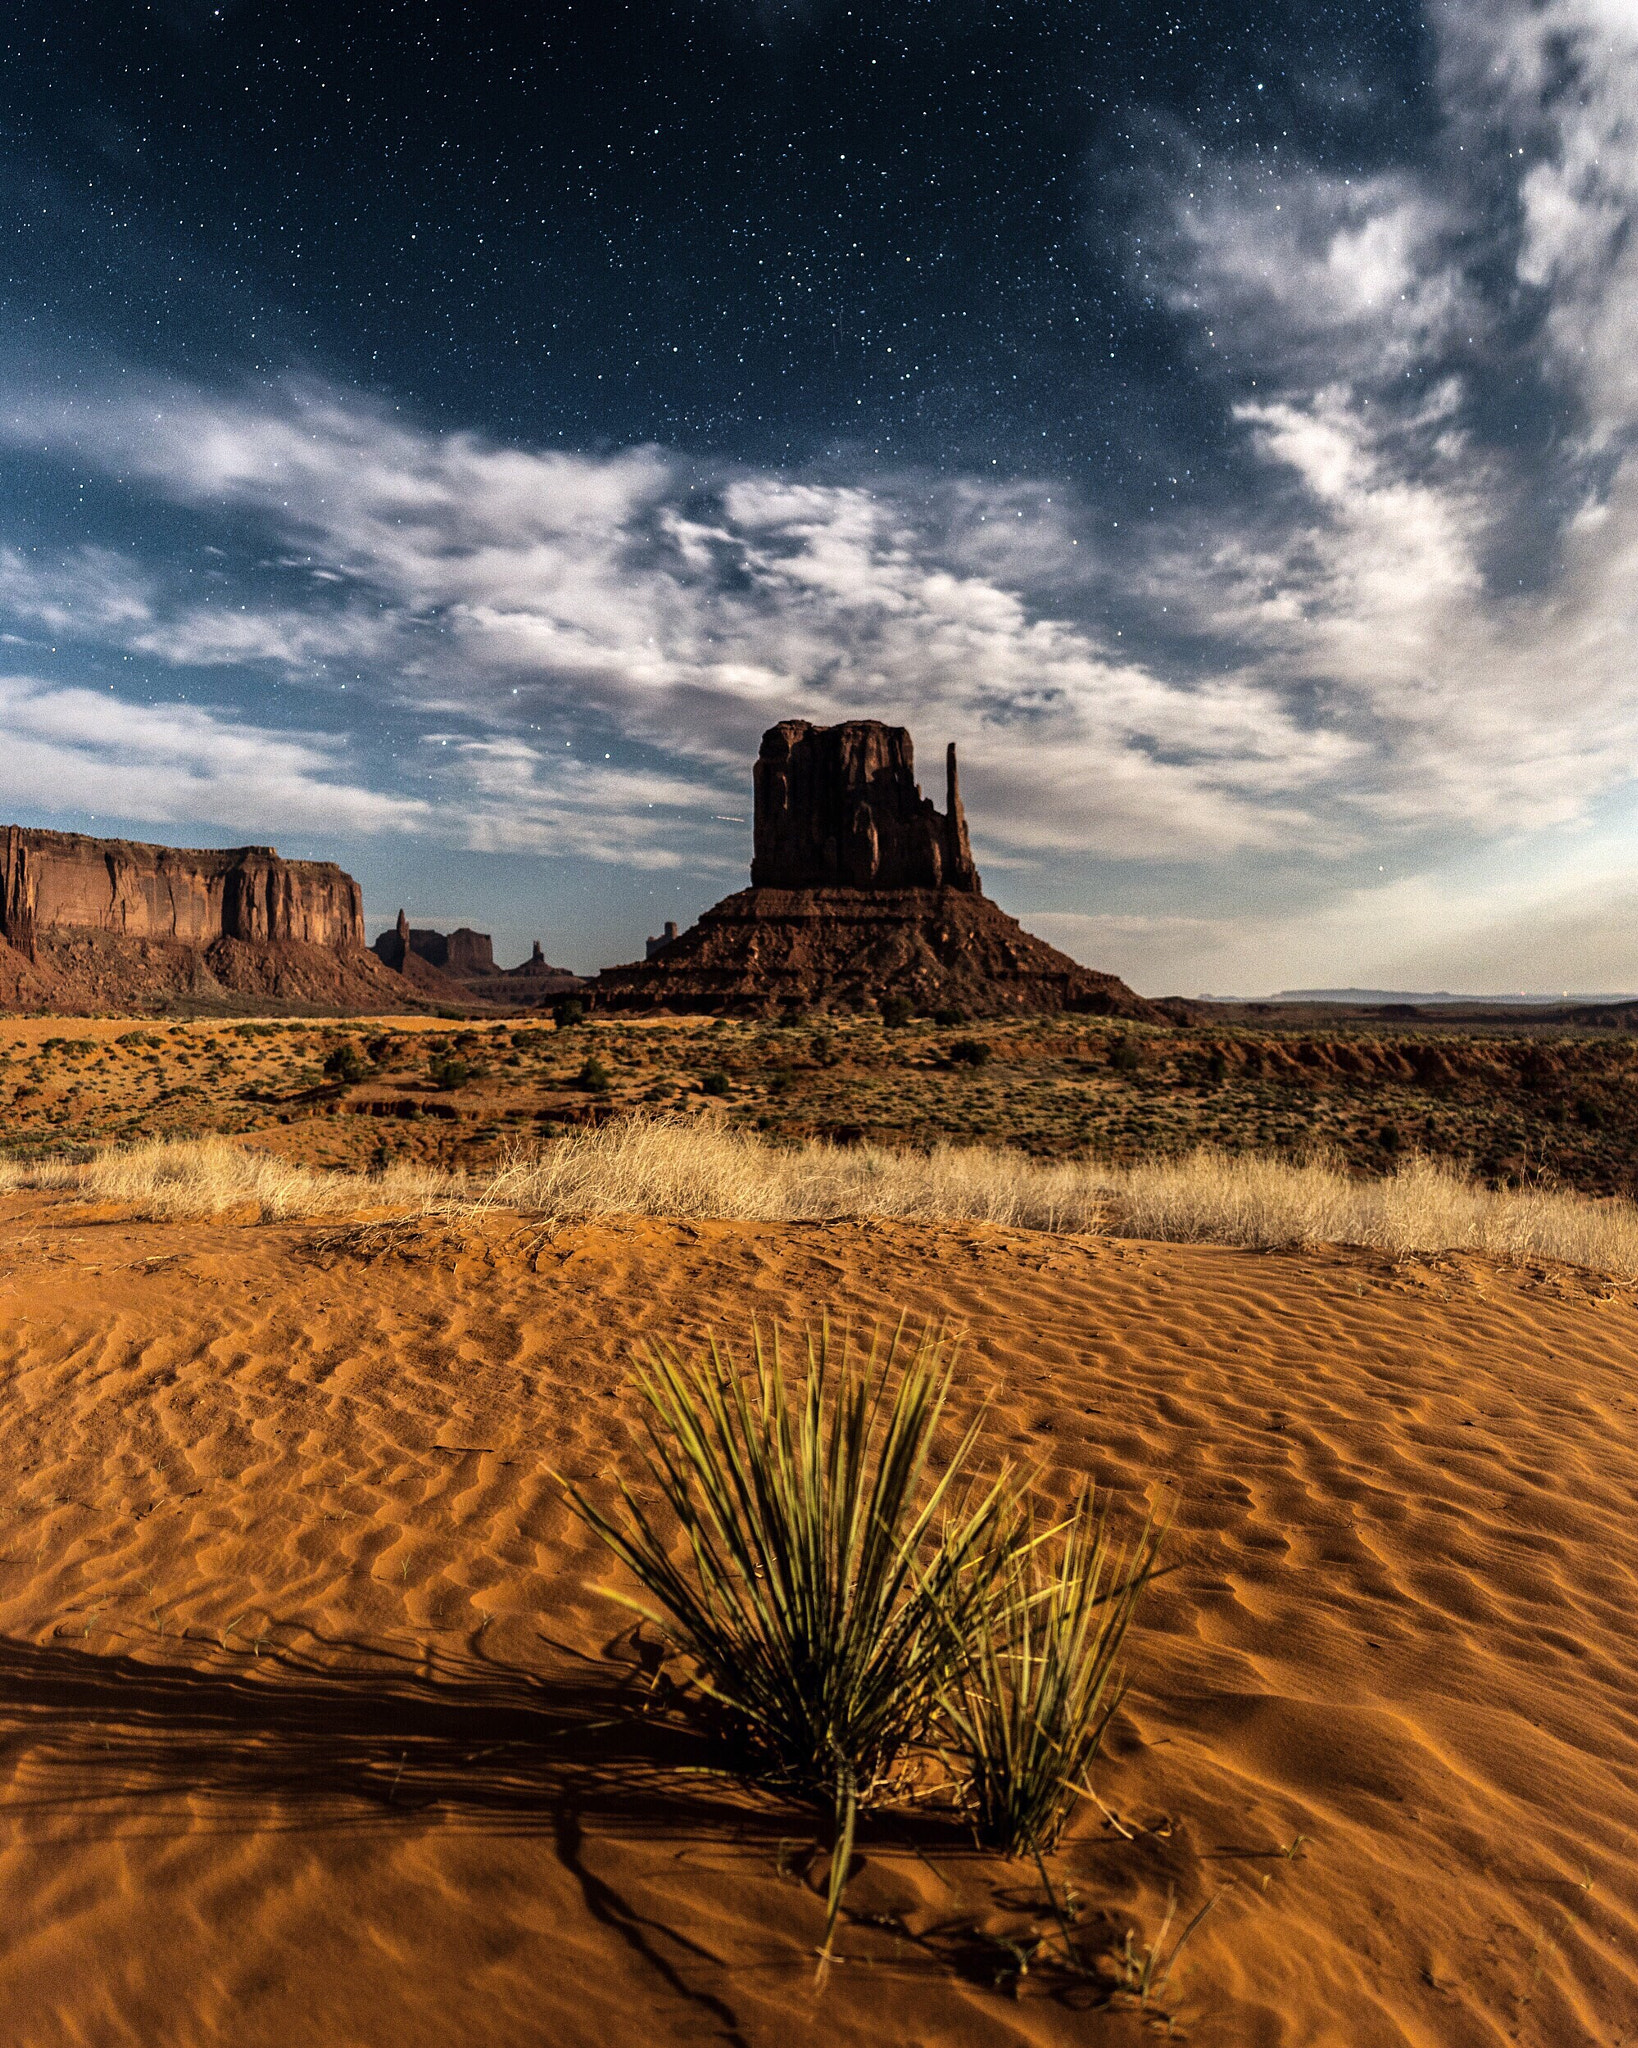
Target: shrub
(897,1011)
(827,1586)
(715,1083)
(1125,1055)
(949,1017)
(1029,1714)
(568,1012)
(594,1075)
(444,1070)
(345,1063)
(970,1052)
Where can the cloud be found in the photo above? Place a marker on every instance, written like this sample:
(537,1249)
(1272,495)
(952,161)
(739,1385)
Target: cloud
(88,750)
(682,613)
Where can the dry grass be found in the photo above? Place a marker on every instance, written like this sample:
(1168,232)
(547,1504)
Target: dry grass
(171,1181)
(679,1167)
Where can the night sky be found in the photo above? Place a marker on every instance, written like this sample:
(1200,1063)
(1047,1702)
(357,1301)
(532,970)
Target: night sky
(442,439)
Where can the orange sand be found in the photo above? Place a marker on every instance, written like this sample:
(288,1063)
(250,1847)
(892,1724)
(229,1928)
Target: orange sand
(310,1723)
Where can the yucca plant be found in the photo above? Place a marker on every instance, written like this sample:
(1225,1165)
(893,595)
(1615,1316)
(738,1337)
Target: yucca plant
(1029,1712)
(827,1576)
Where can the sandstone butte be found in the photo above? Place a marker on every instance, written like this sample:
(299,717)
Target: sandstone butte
(860,889)
(115,923)
(461,963)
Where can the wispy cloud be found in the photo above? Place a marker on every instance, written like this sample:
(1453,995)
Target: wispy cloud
(86,750)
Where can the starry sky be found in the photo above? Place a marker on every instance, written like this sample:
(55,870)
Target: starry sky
(442,438)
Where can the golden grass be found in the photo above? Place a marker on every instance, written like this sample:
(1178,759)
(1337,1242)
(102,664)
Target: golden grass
(659,1166)
(172,1180)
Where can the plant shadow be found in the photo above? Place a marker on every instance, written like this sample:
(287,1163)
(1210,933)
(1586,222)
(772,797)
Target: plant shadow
(333,1736)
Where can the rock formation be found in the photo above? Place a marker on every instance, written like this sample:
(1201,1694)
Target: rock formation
(116,923)
(837,806)
(460,966)
(860,889)
(63,881)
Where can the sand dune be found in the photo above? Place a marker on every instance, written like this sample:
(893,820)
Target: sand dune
(312,1712)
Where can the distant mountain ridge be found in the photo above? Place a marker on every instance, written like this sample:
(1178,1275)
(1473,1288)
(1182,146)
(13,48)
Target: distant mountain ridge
(1385,995)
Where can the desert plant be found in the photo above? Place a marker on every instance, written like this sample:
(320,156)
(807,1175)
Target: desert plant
(1144,1977)
(1029,1713)
(897,1010)
(715,1083)
(830,1582)
(594,1075)
(970,1052)
(345,1063)
(444,1070)
(568,1012)
(1125,1055)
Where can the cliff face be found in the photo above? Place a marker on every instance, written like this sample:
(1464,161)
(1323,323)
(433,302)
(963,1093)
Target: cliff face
(63,882)
(837,806)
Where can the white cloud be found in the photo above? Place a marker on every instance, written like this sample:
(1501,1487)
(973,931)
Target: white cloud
(86,750)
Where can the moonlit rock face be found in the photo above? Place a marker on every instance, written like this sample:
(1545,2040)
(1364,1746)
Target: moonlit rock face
(837,806)
(64,882)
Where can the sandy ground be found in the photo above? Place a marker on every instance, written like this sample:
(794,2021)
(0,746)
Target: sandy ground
(312,1715)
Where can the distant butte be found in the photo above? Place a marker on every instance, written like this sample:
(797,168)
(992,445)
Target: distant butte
(121,924)
(861,889)
(461,963)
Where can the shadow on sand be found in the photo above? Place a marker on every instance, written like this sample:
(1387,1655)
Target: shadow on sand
(332,1736)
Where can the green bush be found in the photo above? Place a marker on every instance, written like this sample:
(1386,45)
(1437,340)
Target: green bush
(345,1063)
(1029,1714)
(716,1083)
(897,1011)
(949,1016)
(568,1012)
(970,1052)
(444,1070)
(594,1075)
(1125,1055)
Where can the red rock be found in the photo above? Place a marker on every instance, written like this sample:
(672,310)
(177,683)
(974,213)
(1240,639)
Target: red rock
(119,924)
(860,889)
(64,881)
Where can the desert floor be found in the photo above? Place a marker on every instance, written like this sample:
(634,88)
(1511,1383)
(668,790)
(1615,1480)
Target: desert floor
(318,1730)
(1506,1103)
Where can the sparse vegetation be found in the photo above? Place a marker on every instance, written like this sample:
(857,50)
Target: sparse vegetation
(1029,1711)
(345,1063)
(671,1165)
(833,1583)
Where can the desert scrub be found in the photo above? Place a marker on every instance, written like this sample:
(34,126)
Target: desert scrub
(832,1580)
(1028,1715)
